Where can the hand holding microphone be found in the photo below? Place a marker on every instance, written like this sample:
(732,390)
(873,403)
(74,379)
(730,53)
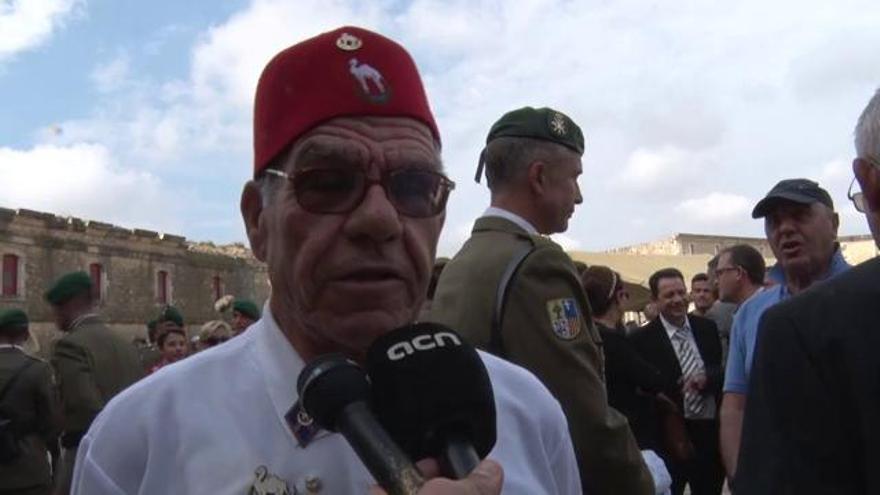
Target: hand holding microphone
(486,479)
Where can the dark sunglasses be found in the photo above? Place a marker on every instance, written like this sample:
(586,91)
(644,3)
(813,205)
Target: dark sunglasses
(414,192)
(211,341)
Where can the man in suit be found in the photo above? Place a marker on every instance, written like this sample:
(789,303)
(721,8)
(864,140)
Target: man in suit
(686,350)
(812,423)
(28,401)
(542,321)
(92,364)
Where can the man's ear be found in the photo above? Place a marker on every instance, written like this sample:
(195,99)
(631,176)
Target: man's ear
(254,221)
(537,172)
(869,182)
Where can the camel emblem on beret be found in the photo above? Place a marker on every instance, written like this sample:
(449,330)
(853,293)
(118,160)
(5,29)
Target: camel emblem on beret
(266,483)
(372,84)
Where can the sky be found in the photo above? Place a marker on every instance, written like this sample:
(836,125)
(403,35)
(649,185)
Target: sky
(139,113)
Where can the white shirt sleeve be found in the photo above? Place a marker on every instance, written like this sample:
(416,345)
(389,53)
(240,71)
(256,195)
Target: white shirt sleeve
(89,478)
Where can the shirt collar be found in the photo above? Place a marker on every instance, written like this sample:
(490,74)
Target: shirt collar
(494,211)
(838,266)
(278,361)
(671,328)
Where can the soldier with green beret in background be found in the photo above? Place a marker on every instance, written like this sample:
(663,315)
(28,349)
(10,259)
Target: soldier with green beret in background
(244,313)
(92,364)
(29,412)
(515,293)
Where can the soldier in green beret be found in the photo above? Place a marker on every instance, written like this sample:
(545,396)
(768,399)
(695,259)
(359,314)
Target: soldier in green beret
(514,292)
(29,411)
(244,314)
(148,351)
(92,364)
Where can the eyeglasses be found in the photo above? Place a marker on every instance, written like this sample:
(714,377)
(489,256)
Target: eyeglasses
(858,199)
(414,192)
(720,270)
(212,341)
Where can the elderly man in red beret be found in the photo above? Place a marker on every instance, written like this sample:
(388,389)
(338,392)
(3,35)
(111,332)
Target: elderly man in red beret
(346,206)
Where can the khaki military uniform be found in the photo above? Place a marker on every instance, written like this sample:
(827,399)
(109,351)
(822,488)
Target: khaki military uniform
(33,405)
(547,329)
(92,364)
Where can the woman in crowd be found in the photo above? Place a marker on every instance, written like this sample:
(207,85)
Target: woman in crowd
(172,345)
(632,383)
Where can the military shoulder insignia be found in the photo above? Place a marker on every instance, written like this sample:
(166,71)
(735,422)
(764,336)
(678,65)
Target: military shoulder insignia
(266,483)
(565,319)
(557,124)
(348,42)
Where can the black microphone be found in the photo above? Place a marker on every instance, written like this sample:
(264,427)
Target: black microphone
(432,393)
(335,392)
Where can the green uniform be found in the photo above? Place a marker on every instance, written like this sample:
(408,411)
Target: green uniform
(32,404)
(92,364)
(547,329)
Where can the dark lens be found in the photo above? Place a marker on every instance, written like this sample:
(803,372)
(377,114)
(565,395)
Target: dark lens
(417,193)
(328,190)
(859,202)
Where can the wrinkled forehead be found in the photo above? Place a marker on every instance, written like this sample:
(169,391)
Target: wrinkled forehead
(382,142)
(670,283)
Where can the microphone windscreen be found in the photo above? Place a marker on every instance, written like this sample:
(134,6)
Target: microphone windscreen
(329,383)
(427,382)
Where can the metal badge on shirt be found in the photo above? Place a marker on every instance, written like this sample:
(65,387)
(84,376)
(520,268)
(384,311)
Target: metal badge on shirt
(266,483)
(565,319)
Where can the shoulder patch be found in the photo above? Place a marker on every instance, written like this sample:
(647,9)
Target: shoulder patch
(565,319)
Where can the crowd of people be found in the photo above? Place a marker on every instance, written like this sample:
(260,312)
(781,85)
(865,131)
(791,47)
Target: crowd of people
(46,408)
(769,382)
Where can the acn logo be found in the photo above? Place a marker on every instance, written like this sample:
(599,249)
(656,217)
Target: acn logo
(427,342)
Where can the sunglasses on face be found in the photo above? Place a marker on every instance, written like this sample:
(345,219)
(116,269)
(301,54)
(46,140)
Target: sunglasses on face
(211,341)
(414,192)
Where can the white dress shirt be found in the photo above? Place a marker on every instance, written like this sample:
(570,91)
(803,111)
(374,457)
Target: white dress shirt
(206,424)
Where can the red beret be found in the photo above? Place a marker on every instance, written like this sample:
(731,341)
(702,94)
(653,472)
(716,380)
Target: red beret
(346,72)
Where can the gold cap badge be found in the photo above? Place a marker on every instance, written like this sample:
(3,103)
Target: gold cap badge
(348,42)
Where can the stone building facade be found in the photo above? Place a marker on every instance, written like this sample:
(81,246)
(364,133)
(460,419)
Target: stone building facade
(856,248)
(137,272)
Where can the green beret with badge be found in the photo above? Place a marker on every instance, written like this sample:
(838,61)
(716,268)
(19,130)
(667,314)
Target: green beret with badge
(69,286)
(247,308)
(544,124)
(12,319)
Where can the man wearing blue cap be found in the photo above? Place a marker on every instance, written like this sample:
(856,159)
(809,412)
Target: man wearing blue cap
(801,227)
(811,424)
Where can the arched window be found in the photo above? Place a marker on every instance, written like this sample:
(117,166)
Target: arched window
(96,272)
(10,275)
(217,285)
(162,287)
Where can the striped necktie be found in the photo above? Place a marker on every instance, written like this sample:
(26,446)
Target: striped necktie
(691,364)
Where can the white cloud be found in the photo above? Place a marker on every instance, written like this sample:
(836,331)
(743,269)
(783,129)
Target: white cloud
(112,75)
(715,208)
(26,24)
(82,180)
(675,101)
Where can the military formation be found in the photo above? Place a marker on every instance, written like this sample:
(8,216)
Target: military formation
(345,207)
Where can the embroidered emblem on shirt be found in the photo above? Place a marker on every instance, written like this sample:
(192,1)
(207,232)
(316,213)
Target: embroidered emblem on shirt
(370,81)
(564,317)
(266,483)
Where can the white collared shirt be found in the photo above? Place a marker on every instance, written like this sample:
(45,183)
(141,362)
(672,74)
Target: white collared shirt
(204,425)
(709,411)
(494,211)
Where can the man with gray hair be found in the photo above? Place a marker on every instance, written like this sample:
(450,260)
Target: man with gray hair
(811,425)
(801,228)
